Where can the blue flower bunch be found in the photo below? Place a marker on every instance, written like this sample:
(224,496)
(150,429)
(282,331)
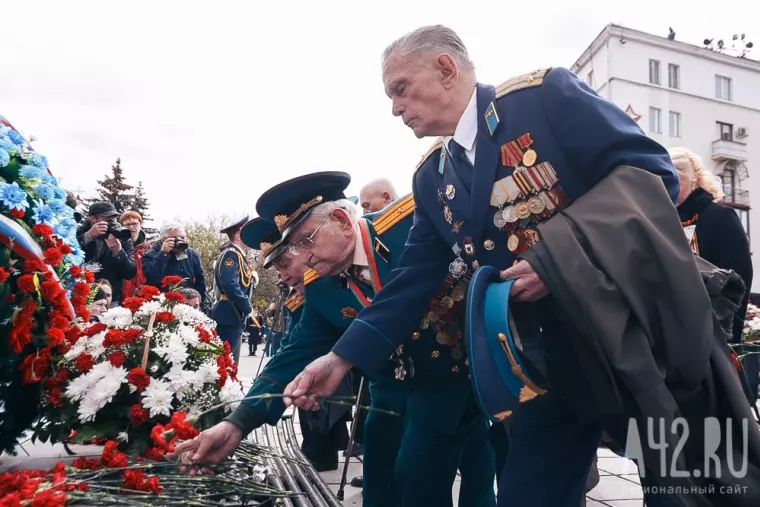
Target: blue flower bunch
(31,194)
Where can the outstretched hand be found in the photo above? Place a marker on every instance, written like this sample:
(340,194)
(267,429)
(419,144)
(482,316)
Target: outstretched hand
(211,447)
(320,378)
(528,285)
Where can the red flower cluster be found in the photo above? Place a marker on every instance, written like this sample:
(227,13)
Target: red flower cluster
(170,281)
(112,457)
(25,487)
(138,378)
(136,480)
(225,363)
(178,428)
(117,337)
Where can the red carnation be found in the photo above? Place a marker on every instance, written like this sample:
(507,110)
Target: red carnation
(3,275)
(138,415)
(25,283)
(147,292)
(55,337)
(204,335)
(50,290)
(89,277)
(138,378)
(17,213)
(111,457)
(53,257)
(95,329)
(83,313)
(164,317)
(59,322)
(65,249)
(182,429)
(78,301)
(33,266)
(84,363)
(116,358)
(81,289)
(175,296)
(86,464)
(171,280)
(75,271)
(133,304)
(43,230)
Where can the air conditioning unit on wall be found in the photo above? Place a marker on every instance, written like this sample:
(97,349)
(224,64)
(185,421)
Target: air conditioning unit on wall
(742,132)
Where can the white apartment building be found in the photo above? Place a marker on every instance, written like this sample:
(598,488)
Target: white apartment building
(691,96)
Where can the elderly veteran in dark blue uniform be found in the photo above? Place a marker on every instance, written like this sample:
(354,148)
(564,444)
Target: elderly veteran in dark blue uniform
(507,159)
(233,286)
(352,257)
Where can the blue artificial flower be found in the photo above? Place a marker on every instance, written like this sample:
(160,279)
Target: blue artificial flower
(32,172)
(58,206)
(39,160)
(76,257)
(5,157)
(42,213)
(7,145)
(44,191)
(3,129)
(16,137)
(13,196)
(58,192)
(66,228)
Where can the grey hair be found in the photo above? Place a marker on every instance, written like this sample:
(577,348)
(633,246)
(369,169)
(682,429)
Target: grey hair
(381,185)
(436,38)
(326,208)
(169,226)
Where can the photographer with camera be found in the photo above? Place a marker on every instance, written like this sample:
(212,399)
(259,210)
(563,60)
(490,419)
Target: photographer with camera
(106,243)
(172,256)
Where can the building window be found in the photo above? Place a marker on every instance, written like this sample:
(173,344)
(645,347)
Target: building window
(590,79)
(654,72)
(674,125)
(725,131)
(655,120)
(723,88)
(729,179)
(674,76)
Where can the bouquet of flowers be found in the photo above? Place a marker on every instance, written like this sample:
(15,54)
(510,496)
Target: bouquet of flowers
(151,365)
(751,331)
(42,288)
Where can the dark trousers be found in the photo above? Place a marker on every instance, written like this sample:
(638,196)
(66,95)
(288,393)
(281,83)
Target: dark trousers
(321,444)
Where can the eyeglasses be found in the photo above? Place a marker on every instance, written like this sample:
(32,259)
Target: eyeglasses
(131,224)
(307,243)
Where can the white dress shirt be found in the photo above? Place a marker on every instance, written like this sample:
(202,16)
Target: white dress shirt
(467,129)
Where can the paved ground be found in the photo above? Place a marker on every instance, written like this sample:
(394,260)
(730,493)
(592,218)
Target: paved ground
(618,484)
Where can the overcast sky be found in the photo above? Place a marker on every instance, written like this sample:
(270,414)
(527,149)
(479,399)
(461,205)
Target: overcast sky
(210,103)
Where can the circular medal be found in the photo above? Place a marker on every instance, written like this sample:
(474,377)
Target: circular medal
(536,205)
(456,353)
(450,192)
(513,242)
(441,337)
(498,219)
(416,335)
(457,268)
(447,301)
(489,244)
(457,295)
(529,158)
(435,354)
(432,316)
(424,323)
(510,214)
(522,210)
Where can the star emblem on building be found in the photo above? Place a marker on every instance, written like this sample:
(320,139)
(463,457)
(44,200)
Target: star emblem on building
(630,112)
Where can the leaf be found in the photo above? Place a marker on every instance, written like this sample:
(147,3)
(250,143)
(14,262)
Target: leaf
(108,429)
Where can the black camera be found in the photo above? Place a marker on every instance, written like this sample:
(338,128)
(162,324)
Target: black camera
(180,245)
(117,231)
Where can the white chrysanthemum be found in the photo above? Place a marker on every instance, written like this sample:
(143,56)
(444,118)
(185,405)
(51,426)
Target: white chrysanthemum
(207,372)
(189,335)
(76,350)
(157,398)
(173,351)
(96,388)
(181,381)
(77,388)
(231,392)
(149,308)
(117,317)
(189,315)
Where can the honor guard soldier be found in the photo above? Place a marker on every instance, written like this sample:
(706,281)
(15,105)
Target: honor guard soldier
(233,288)
(509,158)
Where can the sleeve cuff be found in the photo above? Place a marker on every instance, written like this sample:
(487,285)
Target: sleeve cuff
(365,347)
(246,418)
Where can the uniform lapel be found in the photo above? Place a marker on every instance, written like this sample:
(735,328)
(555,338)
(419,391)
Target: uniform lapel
(377,254)
(486,161)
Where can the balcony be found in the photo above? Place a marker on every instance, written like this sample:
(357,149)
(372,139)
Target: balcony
(724,149)
(740,197)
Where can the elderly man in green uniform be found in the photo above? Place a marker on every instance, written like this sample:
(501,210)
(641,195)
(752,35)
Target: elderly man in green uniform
(441,417)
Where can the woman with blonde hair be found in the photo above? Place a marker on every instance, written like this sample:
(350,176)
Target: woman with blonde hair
(714,230)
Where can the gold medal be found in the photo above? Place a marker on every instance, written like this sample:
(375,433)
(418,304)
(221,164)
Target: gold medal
(529,158)
(435,354)
(442,338)
(432,316)
(513,242)
(447,301)
(416,335)
(536,205)
(489,244)
(523,211)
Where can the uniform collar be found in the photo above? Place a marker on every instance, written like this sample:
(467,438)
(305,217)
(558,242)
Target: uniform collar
(234,246)
(360,256)
(467,128)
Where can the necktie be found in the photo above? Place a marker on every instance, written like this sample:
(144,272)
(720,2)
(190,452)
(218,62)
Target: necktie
(461,163)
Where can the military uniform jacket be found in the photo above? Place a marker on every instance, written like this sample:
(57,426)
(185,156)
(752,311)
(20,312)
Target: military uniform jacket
(232,285)
(542,141)
(332,304)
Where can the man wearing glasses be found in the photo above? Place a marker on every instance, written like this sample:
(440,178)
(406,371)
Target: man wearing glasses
(346,259)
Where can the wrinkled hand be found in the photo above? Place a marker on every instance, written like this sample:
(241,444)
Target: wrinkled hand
(320,378)
(97,230)
(209,448)
(113,244)
(168,245)
(528,285)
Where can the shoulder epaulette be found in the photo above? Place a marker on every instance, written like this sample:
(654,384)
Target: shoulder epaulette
(394,214)
(436,146)
(535,78)
(309,276)
(294,302)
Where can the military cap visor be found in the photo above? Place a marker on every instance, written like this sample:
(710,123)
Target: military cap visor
(502,376)
(262,235)
(288,204)
(234,224)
